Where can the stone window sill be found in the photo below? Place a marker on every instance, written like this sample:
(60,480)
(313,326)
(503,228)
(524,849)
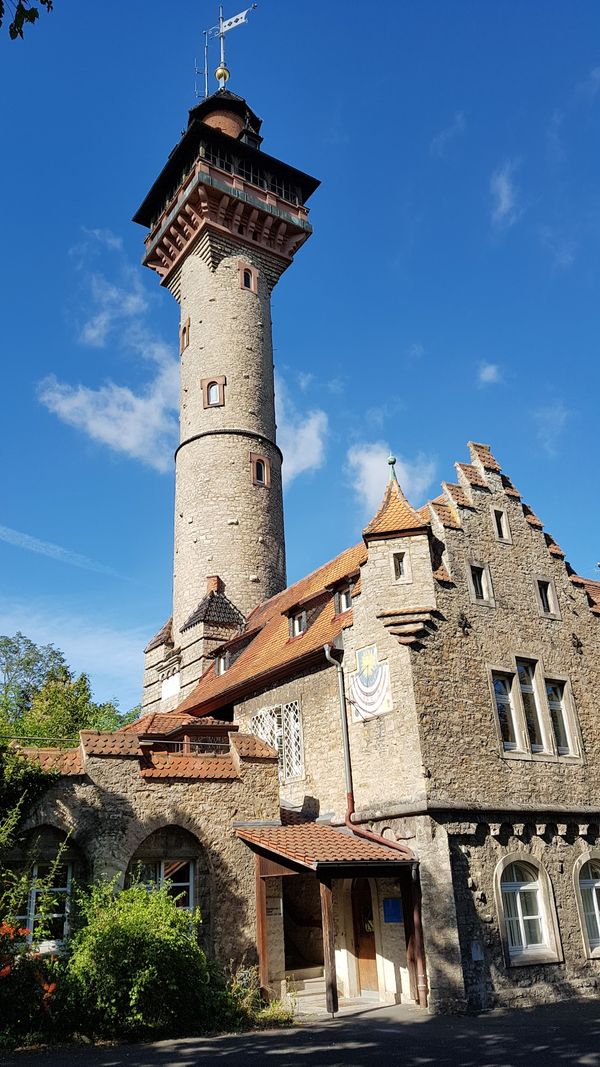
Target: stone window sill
(541,757)
(533,959)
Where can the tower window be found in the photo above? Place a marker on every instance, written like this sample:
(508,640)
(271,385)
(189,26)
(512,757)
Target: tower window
(261,470)
(184,335)
(213,391)
(248,277)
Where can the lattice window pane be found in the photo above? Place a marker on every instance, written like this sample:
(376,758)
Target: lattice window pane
(265,724)
(293,761)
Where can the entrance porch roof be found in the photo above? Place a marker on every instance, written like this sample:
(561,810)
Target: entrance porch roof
(321,849)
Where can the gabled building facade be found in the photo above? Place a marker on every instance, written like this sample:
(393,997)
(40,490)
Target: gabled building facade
(391,766)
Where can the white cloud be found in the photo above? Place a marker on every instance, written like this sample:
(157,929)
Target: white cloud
(550,422)
(440,142)
(52,551)
(489,374)
(301,435)
(505,209)
(368,472)
(114,304)
(112,656)
(414,351)
(305,380)
(561,246)
(141,422)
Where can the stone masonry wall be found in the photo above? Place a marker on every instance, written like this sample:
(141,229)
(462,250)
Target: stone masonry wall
(224,524)
(475,850)
(112,810)
(462,751)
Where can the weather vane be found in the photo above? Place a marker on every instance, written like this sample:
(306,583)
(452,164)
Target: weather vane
(221,73)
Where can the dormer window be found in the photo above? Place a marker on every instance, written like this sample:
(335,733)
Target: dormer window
(298,624)
(343,600)
(222,663)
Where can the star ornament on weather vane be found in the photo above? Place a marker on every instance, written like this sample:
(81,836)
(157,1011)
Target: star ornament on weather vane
(222,73)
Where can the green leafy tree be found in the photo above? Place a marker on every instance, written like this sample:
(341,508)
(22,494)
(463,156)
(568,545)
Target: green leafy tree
(24,666)
(63,706)
(22,12)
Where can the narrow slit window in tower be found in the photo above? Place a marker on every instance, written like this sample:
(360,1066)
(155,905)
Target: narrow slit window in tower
(212,395)
(261,470)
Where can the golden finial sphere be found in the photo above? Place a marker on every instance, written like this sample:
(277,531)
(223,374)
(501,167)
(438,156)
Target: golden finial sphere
(222,74)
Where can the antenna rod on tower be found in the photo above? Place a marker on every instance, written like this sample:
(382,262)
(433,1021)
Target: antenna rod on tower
(205,64)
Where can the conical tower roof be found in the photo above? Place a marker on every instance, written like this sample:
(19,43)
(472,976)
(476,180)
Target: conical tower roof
(396,515)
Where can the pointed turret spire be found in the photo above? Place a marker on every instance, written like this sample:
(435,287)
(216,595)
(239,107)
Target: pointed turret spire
(396,515)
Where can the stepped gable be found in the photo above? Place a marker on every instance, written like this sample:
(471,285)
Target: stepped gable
(163,637)
(272,652)
(215,609)
(395,516)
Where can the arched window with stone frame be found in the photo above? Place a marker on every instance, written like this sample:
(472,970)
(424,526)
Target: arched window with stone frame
(173,856)
(526,911)
(51,864)
(586,883)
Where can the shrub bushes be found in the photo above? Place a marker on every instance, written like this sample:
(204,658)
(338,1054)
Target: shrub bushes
(135,967)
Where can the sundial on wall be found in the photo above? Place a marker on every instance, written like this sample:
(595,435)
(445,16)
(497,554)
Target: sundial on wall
(370,690)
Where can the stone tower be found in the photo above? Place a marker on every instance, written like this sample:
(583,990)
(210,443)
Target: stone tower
(224,222)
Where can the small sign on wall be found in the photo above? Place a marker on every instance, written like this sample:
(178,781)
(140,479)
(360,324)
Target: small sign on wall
(392,910)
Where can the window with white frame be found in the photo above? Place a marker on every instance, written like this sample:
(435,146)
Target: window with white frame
(480,584)
(503,694)
(281,727)
(298,623)
(535,714)
(546,598)
(343,599)
(177,874)
(529,697)
(501,525)
(523,910)
(555,693)
(47,913)
(589,888)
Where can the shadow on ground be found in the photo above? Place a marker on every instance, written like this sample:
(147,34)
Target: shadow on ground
(550,1034)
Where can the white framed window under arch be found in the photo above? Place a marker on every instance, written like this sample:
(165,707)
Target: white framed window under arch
(526,911)
(586,884)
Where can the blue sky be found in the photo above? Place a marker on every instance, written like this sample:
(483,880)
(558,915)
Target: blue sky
(450,289)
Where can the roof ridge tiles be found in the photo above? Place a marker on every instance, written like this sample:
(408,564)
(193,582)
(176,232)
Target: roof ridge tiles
(395,515)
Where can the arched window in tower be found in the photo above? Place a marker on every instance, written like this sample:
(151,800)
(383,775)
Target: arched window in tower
(261,469)
(213,391)
(248,277)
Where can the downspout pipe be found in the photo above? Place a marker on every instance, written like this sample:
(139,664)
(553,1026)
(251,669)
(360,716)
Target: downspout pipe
(360,831)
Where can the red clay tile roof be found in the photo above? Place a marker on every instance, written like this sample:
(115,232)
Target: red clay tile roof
(592,589)
(310,844)
(105,744)
(394,516)
(163,637)
(445,515)
(272,650)
(485,457)
(508,487)
(175,765)
(531,518)
(472,475)
(458,495)
(553,548)
(249,747)
(66,761)
(163,723)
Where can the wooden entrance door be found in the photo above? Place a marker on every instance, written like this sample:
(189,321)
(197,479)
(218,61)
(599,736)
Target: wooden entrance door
(364,935)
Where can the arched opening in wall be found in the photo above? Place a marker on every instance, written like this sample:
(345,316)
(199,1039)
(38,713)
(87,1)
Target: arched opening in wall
(247,279)
(52,864)
(260,472)
(174,856)
(363,920)
(213,395)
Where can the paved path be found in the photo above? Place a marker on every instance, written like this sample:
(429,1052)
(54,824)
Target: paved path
(554,1034)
